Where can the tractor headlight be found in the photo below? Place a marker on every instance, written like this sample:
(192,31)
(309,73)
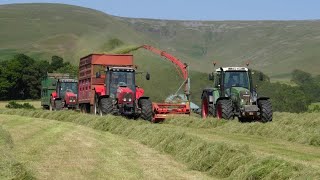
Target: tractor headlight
(127,97)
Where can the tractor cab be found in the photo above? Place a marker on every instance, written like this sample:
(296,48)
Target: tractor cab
(67,90)
(233,95)
(120,79)
(233,78)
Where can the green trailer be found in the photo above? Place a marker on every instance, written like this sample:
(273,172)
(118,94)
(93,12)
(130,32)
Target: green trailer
(48,86)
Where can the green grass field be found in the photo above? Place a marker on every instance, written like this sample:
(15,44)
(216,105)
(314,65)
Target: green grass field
(184,148)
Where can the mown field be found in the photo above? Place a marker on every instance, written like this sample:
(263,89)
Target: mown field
(64,145)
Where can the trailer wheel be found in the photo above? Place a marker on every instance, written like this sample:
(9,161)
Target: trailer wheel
(105,106)
(265,110)
(96,108)
(224,109)
(146,109)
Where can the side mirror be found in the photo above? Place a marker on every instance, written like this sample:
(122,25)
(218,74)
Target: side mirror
(148,76)
(211,77)
(98,74)
(261,78)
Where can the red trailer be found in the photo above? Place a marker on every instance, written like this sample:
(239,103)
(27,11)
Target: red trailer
(107,86)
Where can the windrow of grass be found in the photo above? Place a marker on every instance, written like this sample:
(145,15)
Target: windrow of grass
(217,159)
(300,128)
(9,167)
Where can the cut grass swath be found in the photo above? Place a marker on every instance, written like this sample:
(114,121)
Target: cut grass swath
(217,159)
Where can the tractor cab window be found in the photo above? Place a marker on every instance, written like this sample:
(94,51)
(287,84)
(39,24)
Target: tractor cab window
(68,87)
(236,79)
(121,78)
(217,80)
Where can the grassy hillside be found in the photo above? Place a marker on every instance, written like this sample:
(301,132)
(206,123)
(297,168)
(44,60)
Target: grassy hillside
(220,149)
(42,30)
(275,47)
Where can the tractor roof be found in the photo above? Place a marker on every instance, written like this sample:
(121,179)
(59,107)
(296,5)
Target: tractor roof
(65,80)
(232,69)
(122,69)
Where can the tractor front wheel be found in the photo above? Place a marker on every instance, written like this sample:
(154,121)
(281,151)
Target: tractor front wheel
(105,106)
(146,109)
(224,109)
(265,110)
(58,105)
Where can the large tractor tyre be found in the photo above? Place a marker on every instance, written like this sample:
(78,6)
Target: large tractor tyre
(58,105)
(224,109)
(265,110)
(146,109)
(105,106)
(207,109)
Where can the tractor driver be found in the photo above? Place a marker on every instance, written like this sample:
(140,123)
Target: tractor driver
(122,80)
(233,80)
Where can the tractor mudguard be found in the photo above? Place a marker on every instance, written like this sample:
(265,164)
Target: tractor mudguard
(208,92)
(54,95)
(139,92)
(100,90)
(223,98)
(212,94)
(144,97)
(263,98)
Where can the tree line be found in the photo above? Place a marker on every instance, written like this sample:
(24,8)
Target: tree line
(20,77)
(292,98)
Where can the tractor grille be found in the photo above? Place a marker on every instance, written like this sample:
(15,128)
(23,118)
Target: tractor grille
(245,96)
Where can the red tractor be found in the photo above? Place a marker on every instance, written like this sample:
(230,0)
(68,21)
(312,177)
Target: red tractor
(59,91)
(107,86)
(65,94)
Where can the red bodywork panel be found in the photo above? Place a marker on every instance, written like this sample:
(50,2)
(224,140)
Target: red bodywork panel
(70,96)
(54,94)
(100,90)
(139,92)
(122,92)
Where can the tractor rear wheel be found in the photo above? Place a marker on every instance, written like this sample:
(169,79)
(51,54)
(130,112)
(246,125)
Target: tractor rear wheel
(224,109)
(146,109)
(105,106)
(265,110)
(207,109)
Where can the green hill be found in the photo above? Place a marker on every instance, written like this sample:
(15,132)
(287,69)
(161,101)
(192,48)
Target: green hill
(42,30)
(275,47)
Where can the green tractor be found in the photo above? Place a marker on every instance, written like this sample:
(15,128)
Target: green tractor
(233,95)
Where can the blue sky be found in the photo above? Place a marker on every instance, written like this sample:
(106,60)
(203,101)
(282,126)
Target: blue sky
(200,9)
